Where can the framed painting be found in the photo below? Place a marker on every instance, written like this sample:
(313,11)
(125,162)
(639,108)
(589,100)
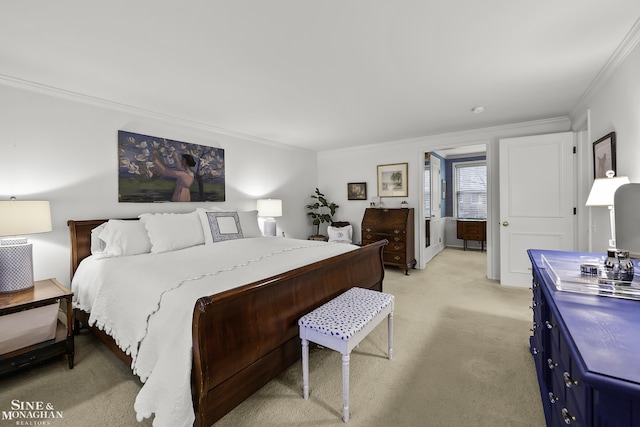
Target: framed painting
(153,169)
(357,191)
(604,155)
(392,180)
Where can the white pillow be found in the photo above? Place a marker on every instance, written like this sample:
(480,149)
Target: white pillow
(249,224)
(223,226)
(340,234)
(97,244)
(171,231)
(125,238)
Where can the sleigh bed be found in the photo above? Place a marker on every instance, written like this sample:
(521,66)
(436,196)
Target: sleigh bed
(244,337)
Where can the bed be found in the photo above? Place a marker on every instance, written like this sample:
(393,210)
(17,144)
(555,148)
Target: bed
(241,338)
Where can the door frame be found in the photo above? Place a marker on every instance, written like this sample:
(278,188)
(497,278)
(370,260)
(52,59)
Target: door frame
(493,209)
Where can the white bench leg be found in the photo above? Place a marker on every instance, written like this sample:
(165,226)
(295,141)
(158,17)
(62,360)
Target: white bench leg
(345,388)
(305,368)
(390,334)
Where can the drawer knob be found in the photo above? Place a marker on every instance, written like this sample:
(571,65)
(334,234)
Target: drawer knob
(397,258)
(534,350)
(568,381)
(397,239)
(548,324)
(397,231)
(551,363)
(396,247)
(567,417)
(553,398)
(368,230)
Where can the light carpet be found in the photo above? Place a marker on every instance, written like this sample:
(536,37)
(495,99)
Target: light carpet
(461,358)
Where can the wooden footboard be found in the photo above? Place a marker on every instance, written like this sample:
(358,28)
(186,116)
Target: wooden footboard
(244,337)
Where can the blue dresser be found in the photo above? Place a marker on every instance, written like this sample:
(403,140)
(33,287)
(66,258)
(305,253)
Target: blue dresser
(586,350)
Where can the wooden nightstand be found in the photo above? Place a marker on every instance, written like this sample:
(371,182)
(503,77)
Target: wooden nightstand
(43,293)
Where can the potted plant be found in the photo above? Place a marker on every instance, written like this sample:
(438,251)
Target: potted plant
(321,211)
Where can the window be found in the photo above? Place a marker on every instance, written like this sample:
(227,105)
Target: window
(471,190)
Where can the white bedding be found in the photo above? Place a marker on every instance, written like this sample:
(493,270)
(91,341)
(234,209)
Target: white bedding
(135,299)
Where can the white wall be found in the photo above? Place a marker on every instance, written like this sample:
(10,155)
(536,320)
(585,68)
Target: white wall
(614,106)
(63,148)
(336,168)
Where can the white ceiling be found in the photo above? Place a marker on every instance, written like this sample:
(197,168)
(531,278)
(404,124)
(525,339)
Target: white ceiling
(320,74)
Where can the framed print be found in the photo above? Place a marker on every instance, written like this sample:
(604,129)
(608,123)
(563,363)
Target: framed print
(154,169)
(604,155)
(357,191)
(392,180)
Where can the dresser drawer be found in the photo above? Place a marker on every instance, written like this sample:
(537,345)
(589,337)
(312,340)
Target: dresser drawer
(394,258)
(395,247)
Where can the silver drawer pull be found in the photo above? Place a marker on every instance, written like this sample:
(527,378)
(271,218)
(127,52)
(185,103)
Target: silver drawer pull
(397,231)
(567,417)
(568,381)
(551,363)
(368,230)
(397,239)
(553,398)
(397,258)
(396,247)
(534,350)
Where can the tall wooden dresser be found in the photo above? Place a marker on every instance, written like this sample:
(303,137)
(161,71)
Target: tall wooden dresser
(397,226)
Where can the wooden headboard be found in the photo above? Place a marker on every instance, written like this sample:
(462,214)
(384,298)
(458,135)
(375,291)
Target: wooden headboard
(80,232)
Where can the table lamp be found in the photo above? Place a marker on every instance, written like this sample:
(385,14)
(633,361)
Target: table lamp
(602,193)
(18,218)
(269,208)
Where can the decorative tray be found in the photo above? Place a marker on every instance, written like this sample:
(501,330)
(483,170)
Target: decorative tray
(568,276)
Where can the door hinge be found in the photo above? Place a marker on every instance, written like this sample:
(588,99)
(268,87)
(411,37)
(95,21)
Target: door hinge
(575,150)
(575,211)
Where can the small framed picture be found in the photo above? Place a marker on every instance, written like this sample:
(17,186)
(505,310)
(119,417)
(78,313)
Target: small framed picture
(392,180)
(604,155)
(357,191)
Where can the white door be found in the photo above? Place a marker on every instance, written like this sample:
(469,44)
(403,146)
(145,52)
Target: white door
(437,228)
(536,201)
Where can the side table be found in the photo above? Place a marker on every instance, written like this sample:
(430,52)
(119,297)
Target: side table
(43,293)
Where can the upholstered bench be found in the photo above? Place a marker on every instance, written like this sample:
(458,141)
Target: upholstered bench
(340,325)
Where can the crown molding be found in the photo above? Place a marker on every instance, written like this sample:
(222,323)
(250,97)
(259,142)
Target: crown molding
(475,136)
(627,46)
(130,109)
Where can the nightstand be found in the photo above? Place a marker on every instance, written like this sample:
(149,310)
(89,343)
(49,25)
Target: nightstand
(43,294)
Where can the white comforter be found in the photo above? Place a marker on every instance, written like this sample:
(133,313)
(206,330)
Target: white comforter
(136,298)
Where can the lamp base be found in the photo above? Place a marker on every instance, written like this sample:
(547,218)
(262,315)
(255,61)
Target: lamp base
(270,227)
(16,265)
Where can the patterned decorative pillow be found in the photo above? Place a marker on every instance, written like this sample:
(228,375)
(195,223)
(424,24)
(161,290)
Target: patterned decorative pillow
(224,226)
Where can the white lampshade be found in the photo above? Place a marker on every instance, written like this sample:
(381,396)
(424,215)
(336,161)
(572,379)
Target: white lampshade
(24,217)
(269,207)
(602,194)
(18,218)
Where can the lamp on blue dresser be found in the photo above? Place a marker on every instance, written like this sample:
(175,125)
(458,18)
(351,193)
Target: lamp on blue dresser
(18,218)
(269,209)
(602,194)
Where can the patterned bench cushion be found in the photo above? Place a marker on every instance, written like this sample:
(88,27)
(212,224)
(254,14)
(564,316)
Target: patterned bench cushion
(346,314)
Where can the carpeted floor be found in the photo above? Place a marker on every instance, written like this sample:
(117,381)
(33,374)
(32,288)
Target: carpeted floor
(461,358)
